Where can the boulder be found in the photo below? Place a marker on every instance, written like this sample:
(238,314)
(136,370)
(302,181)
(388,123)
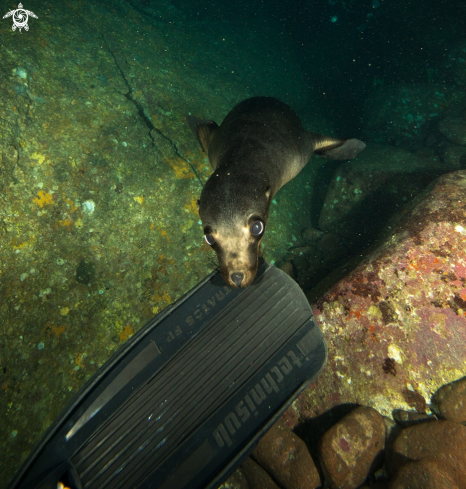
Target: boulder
(286,458)
(353,448)
(450,401)
(395,326)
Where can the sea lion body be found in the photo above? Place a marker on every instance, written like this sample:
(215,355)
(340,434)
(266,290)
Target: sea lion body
(259,146)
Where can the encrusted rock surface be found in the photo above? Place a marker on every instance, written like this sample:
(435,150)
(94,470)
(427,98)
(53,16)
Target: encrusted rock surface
(396,325)
(286,457)
(353,448)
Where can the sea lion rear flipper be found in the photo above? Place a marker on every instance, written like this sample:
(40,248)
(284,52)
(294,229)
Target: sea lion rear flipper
(203,130)
(335,148)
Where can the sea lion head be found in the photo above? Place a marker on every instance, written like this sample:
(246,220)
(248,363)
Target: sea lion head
(234,211)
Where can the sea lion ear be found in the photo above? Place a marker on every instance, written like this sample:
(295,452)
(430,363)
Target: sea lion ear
(268,191)
(203,130)
(335,148)
(198,203)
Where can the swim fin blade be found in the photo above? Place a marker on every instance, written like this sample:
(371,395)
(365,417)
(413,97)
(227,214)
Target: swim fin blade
(187,398)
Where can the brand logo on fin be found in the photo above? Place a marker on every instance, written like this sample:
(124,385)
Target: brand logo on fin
(252,401)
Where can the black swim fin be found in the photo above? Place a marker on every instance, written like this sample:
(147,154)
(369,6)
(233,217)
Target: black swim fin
(187,398)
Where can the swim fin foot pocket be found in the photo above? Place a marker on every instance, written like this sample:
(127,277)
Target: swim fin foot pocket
(187,398)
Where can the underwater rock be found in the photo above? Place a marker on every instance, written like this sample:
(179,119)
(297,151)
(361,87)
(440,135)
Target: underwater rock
(256,476)
(286,458)
(85,273)
(300,264)
(425,474)
(364,193)
(353,448)
(396,325)
(429,440)
(312,234)
(237,480)
(332,247)
(454,129)
(450,401)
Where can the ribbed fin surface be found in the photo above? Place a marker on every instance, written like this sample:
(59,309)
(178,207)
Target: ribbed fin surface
(202,376)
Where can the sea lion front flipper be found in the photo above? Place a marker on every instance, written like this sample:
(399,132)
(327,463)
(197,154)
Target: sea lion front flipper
(203,130)
(335,148)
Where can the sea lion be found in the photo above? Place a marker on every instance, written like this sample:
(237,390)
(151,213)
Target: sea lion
(260,145)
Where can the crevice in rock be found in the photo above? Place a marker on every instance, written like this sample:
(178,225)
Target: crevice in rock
(144,117)
(128,94)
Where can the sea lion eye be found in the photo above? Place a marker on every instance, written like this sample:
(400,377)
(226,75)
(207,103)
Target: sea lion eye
(257,228)
(209,239)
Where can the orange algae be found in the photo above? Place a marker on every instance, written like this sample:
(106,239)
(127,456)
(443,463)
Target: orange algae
(58,330)
(126,333)
(43,199)
(425,263)
(354,314)
(180,168)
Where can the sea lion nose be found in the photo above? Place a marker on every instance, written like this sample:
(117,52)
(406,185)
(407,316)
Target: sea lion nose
(237,278)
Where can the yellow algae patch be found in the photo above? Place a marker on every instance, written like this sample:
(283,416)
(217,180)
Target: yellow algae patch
(58,330)
(375,312)
(65,223)
(43,198)
(164,233)
(139,199)
(64,311)
(180,167)
(18,242)
(126,333)
(37,156)
(187,225)
(79,223)
(192,206)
